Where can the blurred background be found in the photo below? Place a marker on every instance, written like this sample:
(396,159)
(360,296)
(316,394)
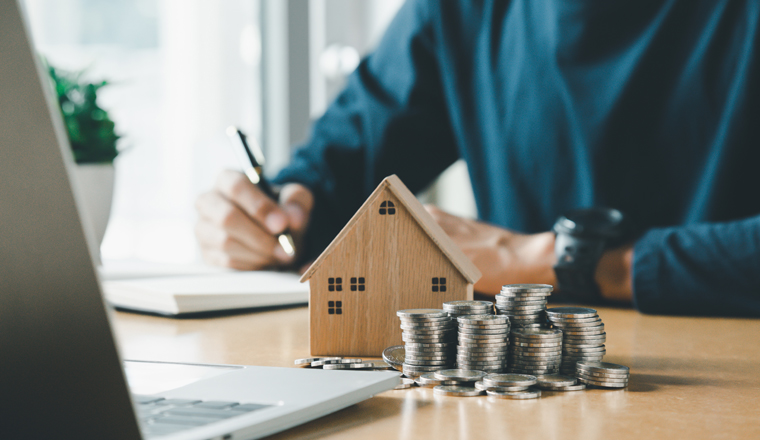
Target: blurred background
(181,71)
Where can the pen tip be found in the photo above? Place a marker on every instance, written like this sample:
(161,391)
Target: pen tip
(231,130)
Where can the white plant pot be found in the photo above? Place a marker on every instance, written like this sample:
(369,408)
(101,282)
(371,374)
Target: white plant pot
(95,187)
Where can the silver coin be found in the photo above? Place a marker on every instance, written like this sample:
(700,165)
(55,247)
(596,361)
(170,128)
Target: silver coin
(380,365)
(429,339)
(439,364)
(571,312)
(504,326)
(591,349)
(356,366)
(504,336)
(430,345)
(460,374)
(499,348)
(307,361)
(422,351)
(421,313)
(533,354)
(530,326)
(482,319)
(482,356)
(575,325)
(602,375)
(417,358)
(509,380)
(483,363)
(483,343)
(480,385)
(555,380)
(534,362)
(604,384)
(600,379)
(604,367)
(404,384)
(519,395)
(523,349)
(441,320)
(523,287)
(498,332)
(394,355)
(324,362)
(582,346)
(467,303)
(458,391)
(431,333)
(537,334)
(576,387)
(584,331)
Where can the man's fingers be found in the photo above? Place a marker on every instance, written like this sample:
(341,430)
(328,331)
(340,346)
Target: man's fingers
(222,223)
(236,187)
(297,202)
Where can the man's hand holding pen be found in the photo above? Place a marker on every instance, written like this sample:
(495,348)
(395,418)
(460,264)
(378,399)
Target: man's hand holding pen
(239,224)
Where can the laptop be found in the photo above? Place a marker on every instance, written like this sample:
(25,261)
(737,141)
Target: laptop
(61,375)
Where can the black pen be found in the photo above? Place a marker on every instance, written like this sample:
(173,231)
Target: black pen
(252,160)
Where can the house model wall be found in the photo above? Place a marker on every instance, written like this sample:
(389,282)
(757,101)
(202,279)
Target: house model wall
(391,255)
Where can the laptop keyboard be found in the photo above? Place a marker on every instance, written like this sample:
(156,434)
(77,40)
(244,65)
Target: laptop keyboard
(159,416)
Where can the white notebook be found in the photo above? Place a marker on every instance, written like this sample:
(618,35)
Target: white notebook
(176,295)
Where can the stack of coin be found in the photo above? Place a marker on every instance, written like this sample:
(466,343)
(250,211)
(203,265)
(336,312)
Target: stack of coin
(524,304)
(535,351)
(463,308)
(429,337)
(603,374)
(483,343)
(583,335)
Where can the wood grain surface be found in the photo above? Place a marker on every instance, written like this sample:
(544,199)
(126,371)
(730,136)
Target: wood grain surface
(398,261)
(691,378)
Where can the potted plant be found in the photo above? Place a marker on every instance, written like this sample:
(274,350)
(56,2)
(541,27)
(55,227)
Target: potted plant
(93,143)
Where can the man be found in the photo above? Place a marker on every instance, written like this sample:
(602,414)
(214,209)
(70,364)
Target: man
(650,107)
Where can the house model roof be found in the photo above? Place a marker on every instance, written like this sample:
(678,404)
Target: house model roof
(463,264)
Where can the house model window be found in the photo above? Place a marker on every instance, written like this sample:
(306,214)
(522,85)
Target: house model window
(335,307)
(357,284)
(387,207)
(439,284)
(335,284)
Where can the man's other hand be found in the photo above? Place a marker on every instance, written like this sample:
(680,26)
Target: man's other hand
(238,224)
(503,256)
(506,257)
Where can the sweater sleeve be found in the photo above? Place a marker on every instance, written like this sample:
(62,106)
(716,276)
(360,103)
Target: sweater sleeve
(700,269)
(390,119)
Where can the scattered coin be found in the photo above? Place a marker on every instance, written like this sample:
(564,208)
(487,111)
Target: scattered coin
(405,383)
(429,380)
(357,366)
(552,381)
(485,387)
(307,361)
(458,391)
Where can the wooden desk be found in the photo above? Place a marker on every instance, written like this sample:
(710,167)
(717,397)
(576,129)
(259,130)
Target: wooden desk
(691,378)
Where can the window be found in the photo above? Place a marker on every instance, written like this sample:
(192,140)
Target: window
(334,307)
(335,284)
(387,206)
(439,284)
(357,284)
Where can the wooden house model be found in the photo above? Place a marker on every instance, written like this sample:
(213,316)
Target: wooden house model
(390,256)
